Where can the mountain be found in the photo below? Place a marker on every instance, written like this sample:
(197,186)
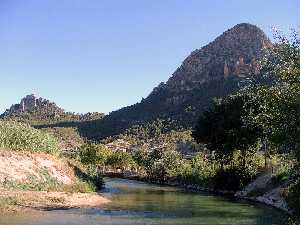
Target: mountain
(39,111)
(216,70)
(233,54)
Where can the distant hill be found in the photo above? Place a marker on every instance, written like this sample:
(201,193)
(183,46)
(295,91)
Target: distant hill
(216,70)
(42,113)
(38,111)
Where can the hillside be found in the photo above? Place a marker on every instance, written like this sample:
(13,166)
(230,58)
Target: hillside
(214,71)
(42,113)
(39,111)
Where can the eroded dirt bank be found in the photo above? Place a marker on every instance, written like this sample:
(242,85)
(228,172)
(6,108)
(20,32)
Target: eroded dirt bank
(24,177)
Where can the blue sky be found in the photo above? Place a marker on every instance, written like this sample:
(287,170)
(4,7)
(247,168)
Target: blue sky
(101,55)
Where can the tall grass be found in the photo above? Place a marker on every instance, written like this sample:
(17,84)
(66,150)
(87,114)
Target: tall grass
(22,137)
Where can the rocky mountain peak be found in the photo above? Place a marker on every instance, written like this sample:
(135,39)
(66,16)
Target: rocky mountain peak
(234,53)
(32,103)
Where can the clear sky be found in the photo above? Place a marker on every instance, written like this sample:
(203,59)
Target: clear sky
(101,55)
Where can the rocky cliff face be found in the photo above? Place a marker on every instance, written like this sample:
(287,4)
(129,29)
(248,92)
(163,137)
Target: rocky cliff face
(233,54)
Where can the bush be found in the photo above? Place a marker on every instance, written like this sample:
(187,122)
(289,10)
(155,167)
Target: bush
(204,167)
(232,179)
(80,186)
(199,170)
(166,166)
(238,173)
(94,154)
(88,175)
(294,200)
(120,160)
(18,136)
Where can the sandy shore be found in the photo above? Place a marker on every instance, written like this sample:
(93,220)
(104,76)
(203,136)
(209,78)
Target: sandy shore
(42,200)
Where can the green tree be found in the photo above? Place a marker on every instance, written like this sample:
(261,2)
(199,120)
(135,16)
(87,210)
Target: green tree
(142,159)
(120,160)
(275,108)
(165,165)
(94,155)
(223,130)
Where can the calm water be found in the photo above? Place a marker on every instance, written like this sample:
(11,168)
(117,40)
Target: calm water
(139,203)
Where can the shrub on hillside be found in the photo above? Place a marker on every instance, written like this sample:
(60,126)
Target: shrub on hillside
(18,136)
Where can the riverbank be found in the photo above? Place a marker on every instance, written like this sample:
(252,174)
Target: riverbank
(42,181)
(271,197)
(12,201)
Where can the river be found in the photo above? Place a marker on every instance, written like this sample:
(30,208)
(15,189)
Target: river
(137,203)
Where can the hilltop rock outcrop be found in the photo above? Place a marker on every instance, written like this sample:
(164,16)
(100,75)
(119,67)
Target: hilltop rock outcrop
(39,111)
(31,103)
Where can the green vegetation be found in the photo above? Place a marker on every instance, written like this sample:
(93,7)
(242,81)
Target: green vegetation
(154,129)
(97,156)
(68,137)
(120,160)
(278,106)
(18,136)
(88,179)
(160,164)
(165,164)
(222,129)
(159,132)
(48,183)
(94,154)
(294,193)
(50,114)
(8,202)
